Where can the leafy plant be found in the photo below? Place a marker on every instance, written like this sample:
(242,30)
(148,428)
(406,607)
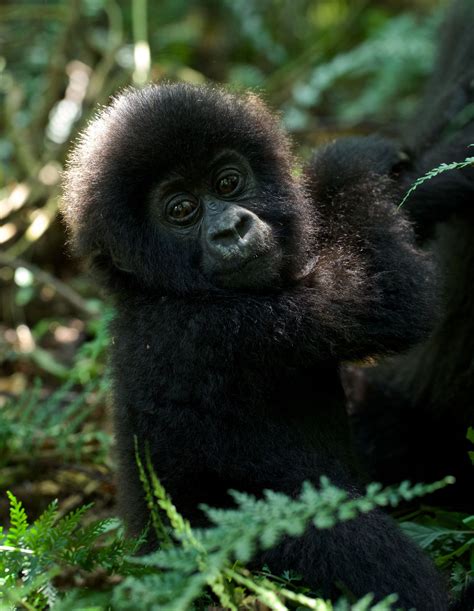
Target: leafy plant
(89,361)
(191,559)
(449,537)
(444,167)
(51,426)
(34,556)
(389,64)
(470,437)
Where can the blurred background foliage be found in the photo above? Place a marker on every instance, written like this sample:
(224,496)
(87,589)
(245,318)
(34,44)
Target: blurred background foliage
(331,67)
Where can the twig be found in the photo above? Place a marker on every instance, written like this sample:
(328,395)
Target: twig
(114,41)
(48,213)
(140,42)
(20,138)
(46,278)
(56,73)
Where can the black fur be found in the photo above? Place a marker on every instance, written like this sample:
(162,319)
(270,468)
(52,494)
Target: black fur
(411,413)
(239,388)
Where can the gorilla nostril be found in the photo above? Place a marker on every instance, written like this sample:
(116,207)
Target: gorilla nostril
(226,237)
(243,225)
(232,231)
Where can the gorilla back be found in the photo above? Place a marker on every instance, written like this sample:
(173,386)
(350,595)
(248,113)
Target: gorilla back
(239,288)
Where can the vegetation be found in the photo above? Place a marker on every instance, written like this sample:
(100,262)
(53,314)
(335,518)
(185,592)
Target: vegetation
(188,560)
(333,67)
(444,167)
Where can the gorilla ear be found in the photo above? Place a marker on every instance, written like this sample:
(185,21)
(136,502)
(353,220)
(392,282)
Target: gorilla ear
(111,272)
(402,164)
(118,263)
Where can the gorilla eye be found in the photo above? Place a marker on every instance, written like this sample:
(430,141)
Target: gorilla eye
(228,184)
(182,211)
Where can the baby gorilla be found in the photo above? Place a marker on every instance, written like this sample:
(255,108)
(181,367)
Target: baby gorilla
(239,288)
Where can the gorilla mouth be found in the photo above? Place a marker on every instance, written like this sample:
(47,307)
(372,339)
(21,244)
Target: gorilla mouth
(261,269)
(237,263)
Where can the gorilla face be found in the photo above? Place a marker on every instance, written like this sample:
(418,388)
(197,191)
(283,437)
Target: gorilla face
(220,213)
(183,189)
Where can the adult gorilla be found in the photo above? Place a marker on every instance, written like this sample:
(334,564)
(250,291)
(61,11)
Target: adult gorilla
(411,413)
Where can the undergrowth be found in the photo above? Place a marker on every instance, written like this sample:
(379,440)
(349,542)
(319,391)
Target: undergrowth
(52,426)
(193,568)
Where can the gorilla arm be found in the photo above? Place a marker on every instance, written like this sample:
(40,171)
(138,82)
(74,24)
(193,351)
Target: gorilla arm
(374,289)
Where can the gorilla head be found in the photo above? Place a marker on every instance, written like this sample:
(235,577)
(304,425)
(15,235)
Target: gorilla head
(181,189)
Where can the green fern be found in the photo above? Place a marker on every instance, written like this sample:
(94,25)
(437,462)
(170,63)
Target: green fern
(444,167)
(18,522)
(191,561)
(377,75)
(89,361)
(52,426)
(32,555)
(449,537)
(208,557)
(253,27)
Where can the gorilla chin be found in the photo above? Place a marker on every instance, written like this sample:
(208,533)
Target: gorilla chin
(259,271)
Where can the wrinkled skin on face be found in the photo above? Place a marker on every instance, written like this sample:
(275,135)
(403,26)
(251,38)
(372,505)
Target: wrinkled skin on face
(237,248)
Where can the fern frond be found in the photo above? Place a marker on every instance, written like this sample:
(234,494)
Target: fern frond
(33,422)
(155,517)
(18,521)
(444,167)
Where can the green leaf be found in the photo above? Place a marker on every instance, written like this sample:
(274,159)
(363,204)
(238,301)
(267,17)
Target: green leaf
(18,521)
(444,167)
(424,535)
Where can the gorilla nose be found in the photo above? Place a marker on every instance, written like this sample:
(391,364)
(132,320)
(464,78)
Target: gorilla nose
(230,229)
